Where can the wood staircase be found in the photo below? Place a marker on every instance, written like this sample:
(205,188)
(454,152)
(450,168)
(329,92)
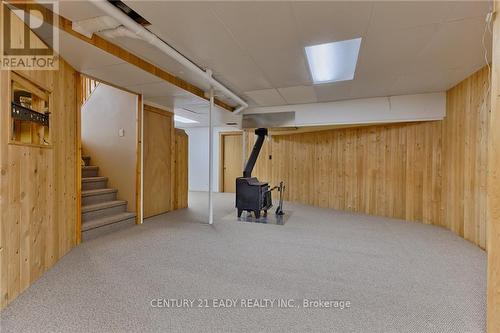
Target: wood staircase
(101,211)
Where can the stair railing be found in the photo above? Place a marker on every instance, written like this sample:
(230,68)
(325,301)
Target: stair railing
(88,86)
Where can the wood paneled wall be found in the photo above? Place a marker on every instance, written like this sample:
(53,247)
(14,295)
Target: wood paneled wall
(180,188)
(493,321)
(37,187)
(430,172)
(379,170)
(465,157)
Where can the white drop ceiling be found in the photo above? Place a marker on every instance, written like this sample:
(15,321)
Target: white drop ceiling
(407,47)
(257,48)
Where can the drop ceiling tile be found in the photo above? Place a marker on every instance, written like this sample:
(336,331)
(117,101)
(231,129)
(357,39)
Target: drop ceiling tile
(187,26)
(78,10)
(158,89)
(193,108)
(83,56)
(379,85)
(241,73)
(196,32)
(168,102)
(393,51)
(457,44)
(122,75)
(333,91)
(192,103)
(397,15)
(268,33)
(324,22)
(429,81)
(298,94)
(266,97)
(468,9)
(149,53)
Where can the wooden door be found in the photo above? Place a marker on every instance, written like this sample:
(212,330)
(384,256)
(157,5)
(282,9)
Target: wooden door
(158,179)
(231,148)
(180,193)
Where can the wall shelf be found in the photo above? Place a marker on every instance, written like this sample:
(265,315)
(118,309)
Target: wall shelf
(20,112)
(29,115)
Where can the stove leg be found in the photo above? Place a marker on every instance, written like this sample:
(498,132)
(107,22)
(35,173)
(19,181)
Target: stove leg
(257,214)
(239,212)
(265,213)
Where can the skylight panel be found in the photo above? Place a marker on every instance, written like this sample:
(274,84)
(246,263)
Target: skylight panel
(333,62)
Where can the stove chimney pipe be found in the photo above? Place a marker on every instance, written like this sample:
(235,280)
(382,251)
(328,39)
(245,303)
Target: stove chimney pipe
(261,135)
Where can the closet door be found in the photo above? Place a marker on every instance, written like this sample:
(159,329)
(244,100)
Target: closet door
(158,155)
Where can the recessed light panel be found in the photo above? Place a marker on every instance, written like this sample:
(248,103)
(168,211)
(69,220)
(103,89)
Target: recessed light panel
(184,120)
(333,62)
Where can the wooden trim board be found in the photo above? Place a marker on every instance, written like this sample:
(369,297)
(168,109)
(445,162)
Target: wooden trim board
(138,168)
(78,160)
(493,185)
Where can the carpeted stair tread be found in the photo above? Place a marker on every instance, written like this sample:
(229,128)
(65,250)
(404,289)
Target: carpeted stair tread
(103,205)
(92,224)
(93,179)
(88,193)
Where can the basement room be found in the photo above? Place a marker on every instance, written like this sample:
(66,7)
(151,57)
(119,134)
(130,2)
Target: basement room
(249,166)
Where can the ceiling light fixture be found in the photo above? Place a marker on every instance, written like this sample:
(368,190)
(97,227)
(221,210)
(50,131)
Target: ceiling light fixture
(184,120)
(333,62)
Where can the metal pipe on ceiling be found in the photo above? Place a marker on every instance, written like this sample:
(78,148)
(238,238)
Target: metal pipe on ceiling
(151,38)
(211,159)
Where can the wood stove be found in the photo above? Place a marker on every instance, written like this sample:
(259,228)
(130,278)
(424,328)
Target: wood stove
(251,194)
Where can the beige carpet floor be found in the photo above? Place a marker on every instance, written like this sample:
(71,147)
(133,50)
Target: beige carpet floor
(397,276)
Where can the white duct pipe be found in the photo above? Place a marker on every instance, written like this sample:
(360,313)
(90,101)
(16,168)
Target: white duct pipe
(151,38)
(120,31)
(210,159)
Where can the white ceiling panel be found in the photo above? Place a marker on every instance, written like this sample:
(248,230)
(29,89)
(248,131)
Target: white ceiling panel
(258,47)
(82,56)
(324,22)
(373,86)
(180,26)
(398,15)
(159,89)
(168,102)
(195,105)
(333,91)
(193,29)
(437,81)
(298,95)
(78,10)
(457,44)
(149,53)
(268,33)
(468,9)
(123,75)
(266,97)
(393,51)
(240,73)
